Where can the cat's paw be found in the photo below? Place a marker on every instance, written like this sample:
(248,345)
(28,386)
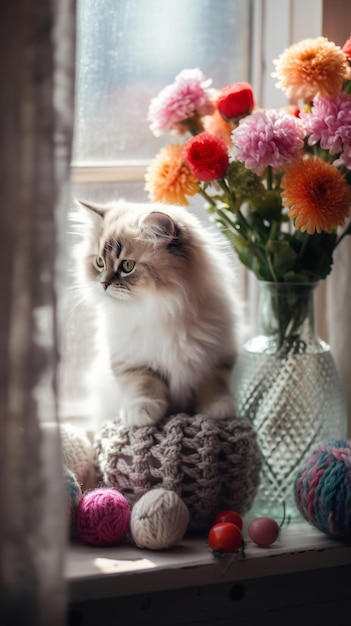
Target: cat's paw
(146,414)
(222,407)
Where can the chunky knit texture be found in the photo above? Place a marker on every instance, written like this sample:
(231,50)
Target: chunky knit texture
(210,464)
(323,489)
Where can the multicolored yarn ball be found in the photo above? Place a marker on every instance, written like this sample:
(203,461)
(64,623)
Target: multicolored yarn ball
(73,495)
(323,489)
(159,520)
(103,517)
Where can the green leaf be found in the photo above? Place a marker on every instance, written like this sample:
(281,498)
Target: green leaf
(242,248)
(317,257)
(298,277)
(243,182)
(259,227)
(269,205)
(261,271)
(247,255)
(282,255)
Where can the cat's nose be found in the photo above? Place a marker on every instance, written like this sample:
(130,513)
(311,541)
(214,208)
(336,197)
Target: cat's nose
(105,285)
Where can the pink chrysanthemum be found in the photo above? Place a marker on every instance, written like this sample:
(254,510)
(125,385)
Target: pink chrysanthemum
(268,138)
(329,122)
(345,157)
(187,97)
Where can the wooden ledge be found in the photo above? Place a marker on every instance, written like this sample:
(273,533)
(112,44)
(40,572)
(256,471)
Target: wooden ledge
(94,573)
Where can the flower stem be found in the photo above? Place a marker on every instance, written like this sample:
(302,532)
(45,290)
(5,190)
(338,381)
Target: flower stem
(227,220)
(304,245)
(240,232)
(269,177)
(194,124)
(271,268)
(241,219)
(223,183)
(208,198)
(274,231)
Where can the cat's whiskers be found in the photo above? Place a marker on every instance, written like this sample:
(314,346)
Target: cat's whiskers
(77,297)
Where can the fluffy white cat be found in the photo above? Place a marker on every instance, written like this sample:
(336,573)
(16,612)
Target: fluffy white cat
(165,307)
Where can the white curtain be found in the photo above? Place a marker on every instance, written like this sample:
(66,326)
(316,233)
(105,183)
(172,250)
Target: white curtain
(333,317)
(338,316)
(36,112)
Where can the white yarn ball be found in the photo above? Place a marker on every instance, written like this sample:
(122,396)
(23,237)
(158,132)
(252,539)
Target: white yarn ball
(159,519)
(78,455)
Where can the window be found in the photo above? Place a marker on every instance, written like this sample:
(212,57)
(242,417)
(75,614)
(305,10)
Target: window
(126,52)
(131,49)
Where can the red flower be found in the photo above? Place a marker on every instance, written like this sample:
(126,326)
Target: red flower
(235,100)
(347,48)
(207,156)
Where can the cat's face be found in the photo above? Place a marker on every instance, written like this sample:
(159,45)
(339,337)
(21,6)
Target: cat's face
(131,249)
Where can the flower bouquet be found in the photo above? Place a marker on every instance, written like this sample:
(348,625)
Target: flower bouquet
(277,182)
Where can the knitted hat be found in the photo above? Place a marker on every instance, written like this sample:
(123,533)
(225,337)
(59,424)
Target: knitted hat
(211,464)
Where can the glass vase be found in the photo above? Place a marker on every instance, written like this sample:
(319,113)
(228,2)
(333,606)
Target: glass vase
(287,384)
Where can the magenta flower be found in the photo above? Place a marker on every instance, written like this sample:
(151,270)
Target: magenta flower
(329,122)
(270,138)
(186,97)
(345,157)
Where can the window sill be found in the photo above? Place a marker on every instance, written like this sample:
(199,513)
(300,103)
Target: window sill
(108,171)
(94,573)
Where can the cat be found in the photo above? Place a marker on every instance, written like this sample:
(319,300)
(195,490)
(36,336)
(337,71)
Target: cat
(166,313)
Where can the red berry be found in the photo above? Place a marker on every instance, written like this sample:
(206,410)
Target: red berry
(263,530)
(229,516)
(224,538)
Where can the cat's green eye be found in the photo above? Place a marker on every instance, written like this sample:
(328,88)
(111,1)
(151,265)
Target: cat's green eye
(127,266)
(99,263)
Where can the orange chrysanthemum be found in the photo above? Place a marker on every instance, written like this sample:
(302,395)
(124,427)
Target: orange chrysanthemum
(168,177)
(216,125)
(317,194)
(312,67)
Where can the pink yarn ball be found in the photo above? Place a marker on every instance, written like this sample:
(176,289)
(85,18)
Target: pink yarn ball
(103,517)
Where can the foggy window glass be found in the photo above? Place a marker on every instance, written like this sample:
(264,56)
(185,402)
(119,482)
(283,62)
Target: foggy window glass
(128,50)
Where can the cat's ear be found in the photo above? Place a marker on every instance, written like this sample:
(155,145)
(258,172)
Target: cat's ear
(159,224)
(93,207)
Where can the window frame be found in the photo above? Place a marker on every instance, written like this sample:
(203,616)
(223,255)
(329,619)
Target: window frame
(297,19)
